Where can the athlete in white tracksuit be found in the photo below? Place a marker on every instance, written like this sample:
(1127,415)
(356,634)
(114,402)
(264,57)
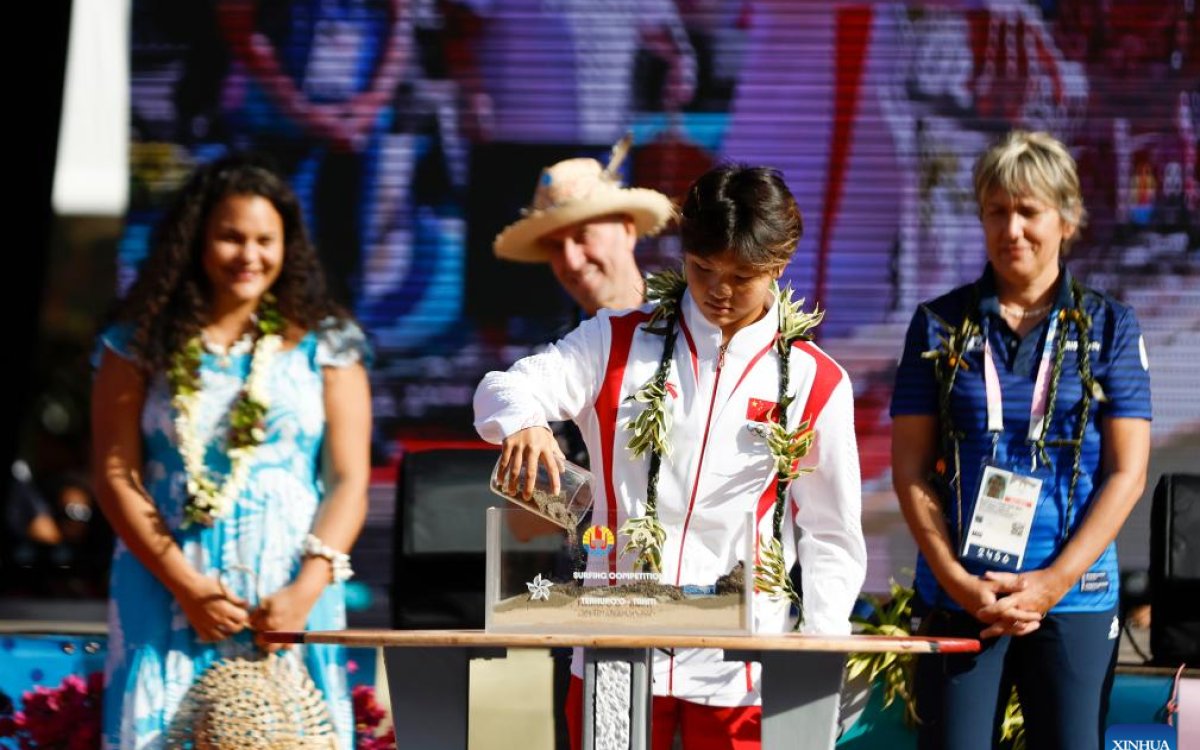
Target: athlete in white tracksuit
(719,468)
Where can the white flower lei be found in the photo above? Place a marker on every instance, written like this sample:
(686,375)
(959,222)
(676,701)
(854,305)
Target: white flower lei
(208,500)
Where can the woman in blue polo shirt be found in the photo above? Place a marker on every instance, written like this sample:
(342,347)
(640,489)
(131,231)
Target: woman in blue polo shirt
(1021,434)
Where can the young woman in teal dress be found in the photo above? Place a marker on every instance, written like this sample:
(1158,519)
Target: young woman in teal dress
(231,424)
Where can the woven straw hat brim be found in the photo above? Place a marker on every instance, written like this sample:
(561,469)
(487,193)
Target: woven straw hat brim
(649,209)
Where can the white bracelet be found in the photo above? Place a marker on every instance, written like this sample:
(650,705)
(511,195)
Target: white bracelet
(340,561)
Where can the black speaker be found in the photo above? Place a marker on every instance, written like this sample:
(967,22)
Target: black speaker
(442,498)
(1175,571)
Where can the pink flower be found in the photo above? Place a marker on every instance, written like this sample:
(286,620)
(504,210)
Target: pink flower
(62,718)
(367,716)
(385,741)
(367,712)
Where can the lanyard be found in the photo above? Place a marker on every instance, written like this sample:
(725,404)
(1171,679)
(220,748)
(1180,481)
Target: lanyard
(1041,386)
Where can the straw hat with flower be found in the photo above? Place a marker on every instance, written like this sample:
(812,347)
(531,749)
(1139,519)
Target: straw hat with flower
(577,190)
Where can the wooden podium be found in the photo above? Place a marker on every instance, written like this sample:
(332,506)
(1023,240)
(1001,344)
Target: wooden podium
(428,673)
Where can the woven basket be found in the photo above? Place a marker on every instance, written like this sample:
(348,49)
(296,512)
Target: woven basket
(262,703)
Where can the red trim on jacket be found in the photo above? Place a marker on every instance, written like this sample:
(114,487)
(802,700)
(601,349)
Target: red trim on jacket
(622,329)
(825,380)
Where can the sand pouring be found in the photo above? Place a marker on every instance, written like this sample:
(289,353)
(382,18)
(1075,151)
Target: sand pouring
(564,509)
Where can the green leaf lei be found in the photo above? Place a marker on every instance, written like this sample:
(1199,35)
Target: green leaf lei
(209,499)
(650,432)
(948,360)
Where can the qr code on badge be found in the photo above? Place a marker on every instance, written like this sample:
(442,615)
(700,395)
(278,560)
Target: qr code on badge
(1018,528)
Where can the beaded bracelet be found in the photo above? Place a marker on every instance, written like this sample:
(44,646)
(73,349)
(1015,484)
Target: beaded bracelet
(341,571)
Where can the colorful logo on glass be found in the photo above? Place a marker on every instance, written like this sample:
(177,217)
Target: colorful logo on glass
(597,540)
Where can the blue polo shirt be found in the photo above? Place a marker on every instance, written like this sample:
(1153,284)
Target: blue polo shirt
(1119,364)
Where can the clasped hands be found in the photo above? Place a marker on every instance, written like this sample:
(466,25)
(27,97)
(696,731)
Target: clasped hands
(216,613)
(1009,603)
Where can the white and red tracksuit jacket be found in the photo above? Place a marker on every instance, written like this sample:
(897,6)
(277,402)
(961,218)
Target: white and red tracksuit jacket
(718,470)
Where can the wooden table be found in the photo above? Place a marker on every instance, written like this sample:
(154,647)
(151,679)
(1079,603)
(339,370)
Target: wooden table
(801,676)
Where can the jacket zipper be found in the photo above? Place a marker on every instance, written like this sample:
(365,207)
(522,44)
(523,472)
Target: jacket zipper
(687,519)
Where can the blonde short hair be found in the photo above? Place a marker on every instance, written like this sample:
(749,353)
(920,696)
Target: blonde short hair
(1032,163)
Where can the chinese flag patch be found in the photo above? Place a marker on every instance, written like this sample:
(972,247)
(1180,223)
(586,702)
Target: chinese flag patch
(758,410)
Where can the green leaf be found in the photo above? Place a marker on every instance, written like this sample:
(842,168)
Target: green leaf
(856,667)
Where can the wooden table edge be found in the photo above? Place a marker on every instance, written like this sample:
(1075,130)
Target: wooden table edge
(773,642)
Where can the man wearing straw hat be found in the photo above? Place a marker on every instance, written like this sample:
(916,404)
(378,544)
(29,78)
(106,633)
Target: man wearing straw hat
(585,225)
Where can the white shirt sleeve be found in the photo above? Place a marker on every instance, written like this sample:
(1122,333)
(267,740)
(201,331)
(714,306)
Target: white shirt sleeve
(554,385)
(831,549)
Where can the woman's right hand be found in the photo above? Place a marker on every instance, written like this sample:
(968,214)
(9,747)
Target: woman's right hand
(973,593)
(213,611)
(521,453)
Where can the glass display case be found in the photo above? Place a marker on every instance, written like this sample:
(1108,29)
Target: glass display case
(588,581)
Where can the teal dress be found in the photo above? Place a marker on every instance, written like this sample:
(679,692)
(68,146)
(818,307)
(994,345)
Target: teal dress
(154,656)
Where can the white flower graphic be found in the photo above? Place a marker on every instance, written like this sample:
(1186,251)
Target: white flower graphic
(539,588)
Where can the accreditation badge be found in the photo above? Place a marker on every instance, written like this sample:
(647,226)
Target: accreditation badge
(1000,524)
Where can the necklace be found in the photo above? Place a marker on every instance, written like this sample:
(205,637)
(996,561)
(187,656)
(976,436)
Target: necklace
(650,433)
(208,497)
(948,361)
(223,354)
(1026,314)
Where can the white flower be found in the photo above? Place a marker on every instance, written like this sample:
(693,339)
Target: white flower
(539,588)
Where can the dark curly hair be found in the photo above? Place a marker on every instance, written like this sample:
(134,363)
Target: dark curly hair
(168,302)
(747,210)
